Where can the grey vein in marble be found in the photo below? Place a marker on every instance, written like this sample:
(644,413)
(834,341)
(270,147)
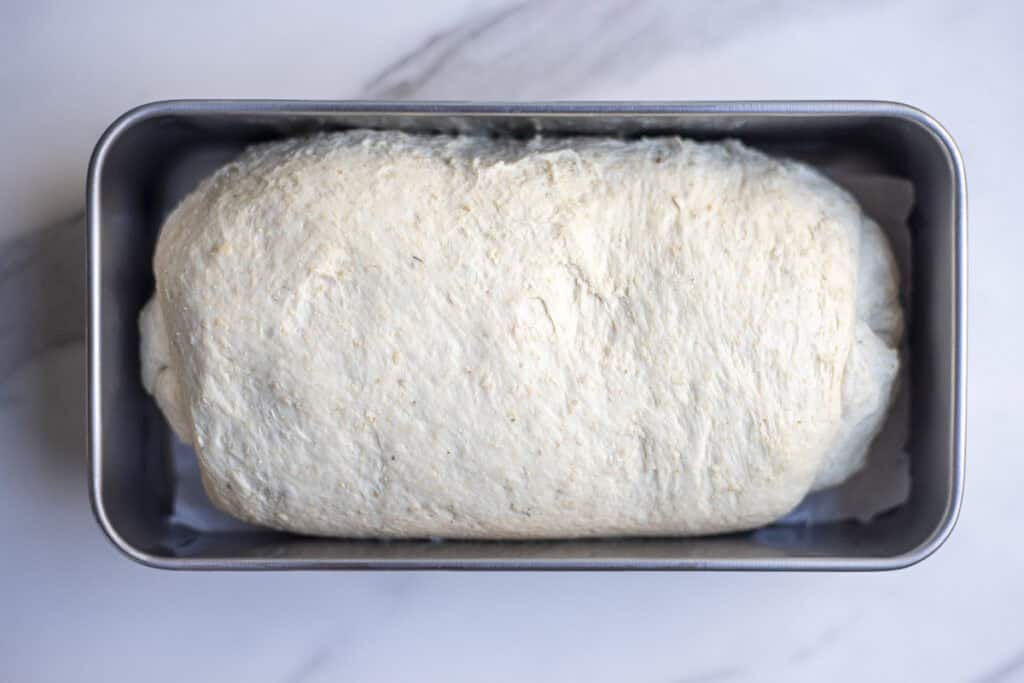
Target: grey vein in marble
(311,666)
(543,50)
(42,292)
(827,637)
(1010,670)
(714,676)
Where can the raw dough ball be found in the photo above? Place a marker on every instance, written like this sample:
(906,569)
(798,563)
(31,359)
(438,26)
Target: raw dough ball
(380,334)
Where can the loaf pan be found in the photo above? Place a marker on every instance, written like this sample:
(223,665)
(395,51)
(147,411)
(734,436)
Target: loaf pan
(151,156)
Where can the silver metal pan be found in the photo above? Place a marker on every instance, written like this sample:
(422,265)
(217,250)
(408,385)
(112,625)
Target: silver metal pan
(153,155)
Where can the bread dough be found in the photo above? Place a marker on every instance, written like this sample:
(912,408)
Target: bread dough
(389,335)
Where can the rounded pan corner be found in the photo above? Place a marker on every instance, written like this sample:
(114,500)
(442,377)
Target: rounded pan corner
(117,127)
(939,535)
(120,542)
(925,120)
(929,547)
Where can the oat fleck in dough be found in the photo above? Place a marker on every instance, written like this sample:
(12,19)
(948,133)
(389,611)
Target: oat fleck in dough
(381,334)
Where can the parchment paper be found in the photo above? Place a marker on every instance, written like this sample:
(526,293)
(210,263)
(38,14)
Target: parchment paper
(884,482)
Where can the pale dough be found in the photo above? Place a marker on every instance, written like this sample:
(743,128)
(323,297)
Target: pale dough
(387,335)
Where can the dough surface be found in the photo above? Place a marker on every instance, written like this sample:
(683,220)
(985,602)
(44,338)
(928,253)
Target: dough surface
(389,335)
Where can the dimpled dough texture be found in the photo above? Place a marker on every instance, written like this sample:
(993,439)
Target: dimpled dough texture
(381,334)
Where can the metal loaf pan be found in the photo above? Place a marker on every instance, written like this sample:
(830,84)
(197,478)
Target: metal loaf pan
(151,156)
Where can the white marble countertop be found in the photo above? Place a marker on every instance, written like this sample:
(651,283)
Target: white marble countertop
(73,608)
